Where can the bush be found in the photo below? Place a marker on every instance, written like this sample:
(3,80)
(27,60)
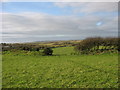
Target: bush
(25,47)
(47,51)
(97,44)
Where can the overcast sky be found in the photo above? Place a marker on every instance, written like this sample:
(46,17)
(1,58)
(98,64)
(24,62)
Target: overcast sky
(39,21)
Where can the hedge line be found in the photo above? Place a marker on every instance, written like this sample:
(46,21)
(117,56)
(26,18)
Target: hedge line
(26,47)
(98,44)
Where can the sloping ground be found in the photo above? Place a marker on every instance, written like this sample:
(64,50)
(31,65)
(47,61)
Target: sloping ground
(57,43)
(61,71)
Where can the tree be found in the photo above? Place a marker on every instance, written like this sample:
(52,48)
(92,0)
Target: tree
(47,51)
(94,44)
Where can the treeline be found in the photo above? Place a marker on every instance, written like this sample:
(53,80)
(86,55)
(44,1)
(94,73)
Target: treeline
(98,45)
(91,45)
(37,46)
(25,47)
(37,49)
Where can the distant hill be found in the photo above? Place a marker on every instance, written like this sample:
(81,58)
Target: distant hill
(56,43)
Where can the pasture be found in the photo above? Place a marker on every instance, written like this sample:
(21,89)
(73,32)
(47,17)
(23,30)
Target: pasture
(62,70)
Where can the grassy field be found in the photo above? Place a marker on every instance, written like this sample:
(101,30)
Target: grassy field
(62,70)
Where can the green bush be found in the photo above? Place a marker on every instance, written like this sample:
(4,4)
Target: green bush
(47,51)
(97,45)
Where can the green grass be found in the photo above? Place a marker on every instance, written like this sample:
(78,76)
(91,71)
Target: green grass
(61,71)
(63,51)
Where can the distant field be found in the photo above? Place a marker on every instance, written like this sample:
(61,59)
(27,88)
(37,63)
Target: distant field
(62,70)
(56,43)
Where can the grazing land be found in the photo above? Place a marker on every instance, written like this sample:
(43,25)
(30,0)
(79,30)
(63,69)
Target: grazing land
(61,70)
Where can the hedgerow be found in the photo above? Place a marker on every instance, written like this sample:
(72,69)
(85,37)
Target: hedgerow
(98,44)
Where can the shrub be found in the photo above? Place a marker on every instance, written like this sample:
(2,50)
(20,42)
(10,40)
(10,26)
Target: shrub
(47,51)
(94,44)
(25,47)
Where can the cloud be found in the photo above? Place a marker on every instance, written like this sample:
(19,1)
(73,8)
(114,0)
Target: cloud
(90,7)
(31,26)
(45,26)
(60,0)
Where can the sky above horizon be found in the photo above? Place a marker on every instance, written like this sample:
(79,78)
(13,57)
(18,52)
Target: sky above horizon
(41,21)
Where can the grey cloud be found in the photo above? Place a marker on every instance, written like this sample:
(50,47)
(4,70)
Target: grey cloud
(39,26)
(90,7)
